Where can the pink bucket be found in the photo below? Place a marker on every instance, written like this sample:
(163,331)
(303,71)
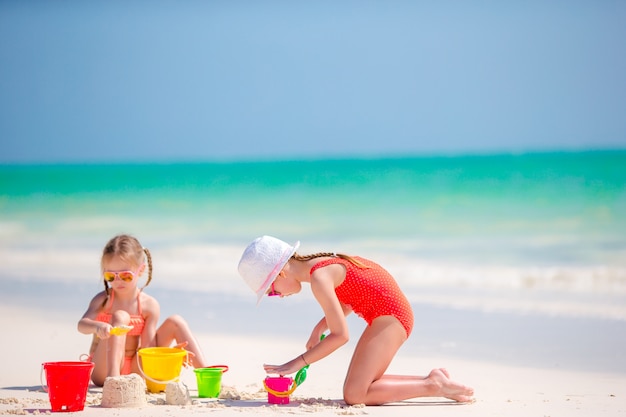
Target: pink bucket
(67,384)
(280,385)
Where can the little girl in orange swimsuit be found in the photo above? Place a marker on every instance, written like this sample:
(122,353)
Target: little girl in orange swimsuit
(342,284)
(122,303)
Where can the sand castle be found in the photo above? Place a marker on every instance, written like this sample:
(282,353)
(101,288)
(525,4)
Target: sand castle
(124,391)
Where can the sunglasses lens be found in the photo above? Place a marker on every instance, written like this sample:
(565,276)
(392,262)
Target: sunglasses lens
(126,276)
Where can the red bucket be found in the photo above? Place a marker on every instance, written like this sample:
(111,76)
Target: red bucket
(67,384)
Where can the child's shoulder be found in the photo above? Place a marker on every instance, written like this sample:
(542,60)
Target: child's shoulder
(99,299)
(147,299)
(102,295)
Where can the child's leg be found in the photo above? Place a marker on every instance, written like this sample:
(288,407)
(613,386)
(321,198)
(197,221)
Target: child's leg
(108,355)
(366,383)
(176,328)
(116,345)
(99,358)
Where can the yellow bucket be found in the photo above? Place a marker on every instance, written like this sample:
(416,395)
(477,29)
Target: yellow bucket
(160,366)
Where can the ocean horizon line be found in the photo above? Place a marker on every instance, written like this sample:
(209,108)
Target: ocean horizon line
(321,157)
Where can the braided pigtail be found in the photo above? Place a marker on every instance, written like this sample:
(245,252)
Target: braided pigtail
(149,259)
(333,254)
(107,290)
(312,256)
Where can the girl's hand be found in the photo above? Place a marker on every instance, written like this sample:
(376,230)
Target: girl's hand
(190,355)
(181,345)
(314,339)
(103,330)
(290,367)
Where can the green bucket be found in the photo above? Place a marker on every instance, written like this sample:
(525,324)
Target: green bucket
(210,380)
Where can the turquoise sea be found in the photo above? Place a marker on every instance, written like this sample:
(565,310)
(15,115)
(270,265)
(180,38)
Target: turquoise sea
(549,223)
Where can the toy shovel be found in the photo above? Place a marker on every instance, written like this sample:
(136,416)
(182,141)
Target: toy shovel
(120,330)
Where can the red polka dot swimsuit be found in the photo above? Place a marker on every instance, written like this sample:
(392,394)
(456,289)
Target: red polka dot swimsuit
(371,292)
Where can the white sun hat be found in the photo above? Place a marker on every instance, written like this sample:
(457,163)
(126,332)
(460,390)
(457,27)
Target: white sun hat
(262,261)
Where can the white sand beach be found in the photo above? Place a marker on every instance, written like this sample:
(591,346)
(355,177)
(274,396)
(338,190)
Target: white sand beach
(33,336)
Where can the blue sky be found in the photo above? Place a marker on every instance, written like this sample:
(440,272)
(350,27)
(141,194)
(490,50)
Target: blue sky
(229,80)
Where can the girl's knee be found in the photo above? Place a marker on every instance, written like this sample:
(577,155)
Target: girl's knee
(177,320)
(120,317)
(353,395)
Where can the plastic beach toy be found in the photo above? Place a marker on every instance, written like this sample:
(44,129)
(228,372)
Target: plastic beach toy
(120,330)
(278,389)
(209,380)
(67,384)
(160,366)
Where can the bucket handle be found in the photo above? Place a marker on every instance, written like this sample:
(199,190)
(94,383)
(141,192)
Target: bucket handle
(156,381)
(223,368)
(45,387)
(281,393)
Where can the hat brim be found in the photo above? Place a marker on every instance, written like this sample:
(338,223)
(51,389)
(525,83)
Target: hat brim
(279,267)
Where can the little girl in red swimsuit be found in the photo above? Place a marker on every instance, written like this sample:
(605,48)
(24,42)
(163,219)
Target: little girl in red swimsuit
(122,303)
(343,284)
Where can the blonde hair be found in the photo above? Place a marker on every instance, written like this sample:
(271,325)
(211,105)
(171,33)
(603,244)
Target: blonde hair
(129,249)
(334,255)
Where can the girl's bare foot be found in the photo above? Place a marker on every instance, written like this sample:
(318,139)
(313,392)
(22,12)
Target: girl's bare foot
(448,388)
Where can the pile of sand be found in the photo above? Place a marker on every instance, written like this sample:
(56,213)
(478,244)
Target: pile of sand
(177,393)
(124,391)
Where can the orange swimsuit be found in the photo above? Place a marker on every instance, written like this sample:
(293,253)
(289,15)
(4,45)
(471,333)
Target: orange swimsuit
(136,320)
(371,292)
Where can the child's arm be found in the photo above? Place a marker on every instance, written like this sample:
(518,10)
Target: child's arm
(321,327)
(151,311)
(323,288)
(317,332)
(88,324)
